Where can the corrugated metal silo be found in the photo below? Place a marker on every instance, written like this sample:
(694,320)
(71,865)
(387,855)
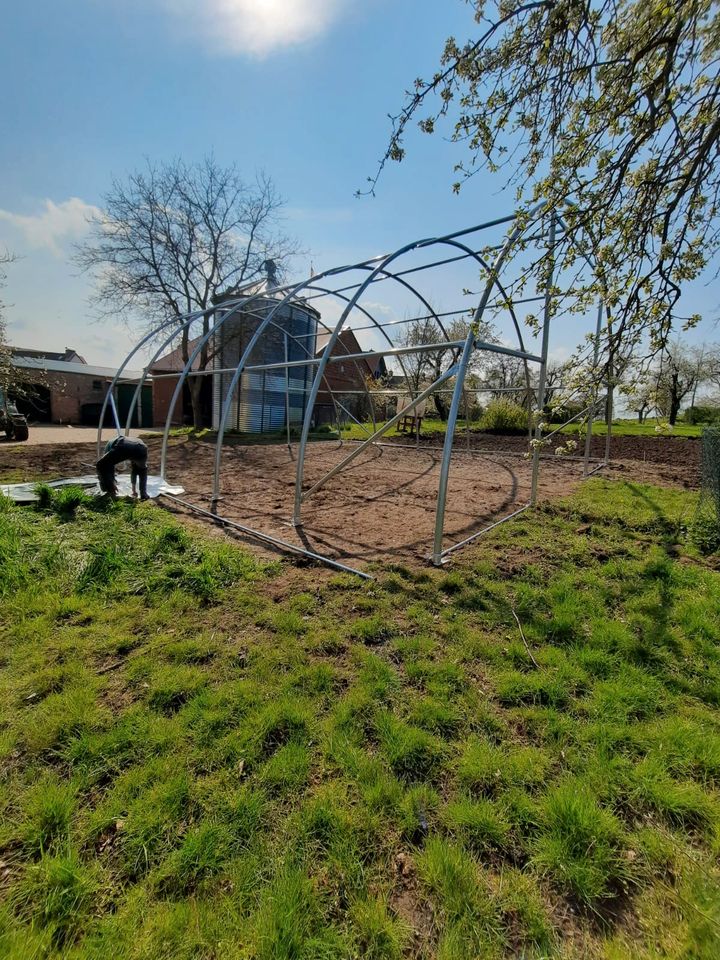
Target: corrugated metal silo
(259,402)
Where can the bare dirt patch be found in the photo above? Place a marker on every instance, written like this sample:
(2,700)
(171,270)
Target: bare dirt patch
(382,507)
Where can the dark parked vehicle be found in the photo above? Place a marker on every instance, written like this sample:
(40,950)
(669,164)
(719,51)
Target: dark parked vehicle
(11,420)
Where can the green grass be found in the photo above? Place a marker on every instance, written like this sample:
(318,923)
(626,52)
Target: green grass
(620,428)
(203,755)
(251,439)
(354,431)
(652,427)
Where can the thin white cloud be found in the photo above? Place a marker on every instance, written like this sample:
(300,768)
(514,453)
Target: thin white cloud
(382,308)
(54,225)
(255,27)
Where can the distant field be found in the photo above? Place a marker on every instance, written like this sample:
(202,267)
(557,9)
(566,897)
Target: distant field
(620,428)
(651,428)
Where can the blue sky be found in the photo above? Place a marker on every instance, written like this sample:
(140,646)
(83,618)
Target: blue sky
(299,88)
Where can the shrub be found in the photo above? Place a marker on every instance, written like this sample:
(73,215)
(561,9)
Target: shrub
(702,414)
(503,415)
(705,532)
(475,412)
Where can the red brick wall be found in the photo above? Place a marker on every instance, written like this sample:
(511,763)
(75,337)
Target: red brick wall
(68,392)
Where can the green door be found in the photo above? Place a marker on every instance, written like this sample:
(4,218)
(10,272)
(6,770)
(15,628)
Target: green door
(125,394)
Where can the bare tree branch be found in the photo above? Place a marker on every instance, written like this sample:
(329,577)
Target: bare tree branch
(173,236)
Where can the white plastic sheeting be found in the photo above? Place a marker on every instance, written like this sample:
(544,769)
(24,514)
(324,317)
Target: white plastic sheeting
(25,492)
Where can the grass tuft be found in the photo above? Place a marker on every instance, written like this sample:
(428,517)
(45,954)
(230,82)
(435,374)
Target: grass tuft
(57,894)
(579,847)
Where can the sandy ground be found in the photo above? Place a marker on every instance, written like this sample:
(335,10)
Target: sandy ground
(54,433)
(382,507)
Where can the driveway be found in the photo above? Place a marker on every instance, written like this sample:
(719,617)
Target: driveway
(54,433)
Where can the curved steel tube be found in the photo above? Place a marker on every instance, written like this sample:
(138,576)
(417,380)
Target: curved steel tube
(290,295)
(299,474)
(320,375)
(382,269)
(459,386)
(148,367)
(187,368)
(113,383)
(242,306)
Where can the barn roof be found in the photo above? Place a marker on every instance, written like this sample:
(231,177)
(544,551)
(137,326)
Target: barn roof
(63,366)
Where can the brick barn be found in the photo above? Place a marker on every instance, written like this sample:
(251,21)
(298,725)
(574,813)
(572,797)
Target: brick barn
(346,380)
(62,387)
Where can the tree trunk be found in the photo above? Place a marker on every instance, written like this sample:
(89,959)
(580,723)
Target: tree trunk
(441,405)
(195,386)
(674,400)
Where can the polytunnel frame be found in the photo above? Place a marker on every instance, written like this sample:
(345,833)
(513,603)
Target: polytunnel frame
(377,268)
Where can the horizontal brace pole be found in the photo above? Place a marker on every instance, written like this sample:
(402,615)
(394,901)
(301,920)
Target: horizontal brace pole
(491,526)
(479,451)
(402,391)
(445,313)
(336,358)
(367,354)
(380,432)
(259,535)
(427,316)
(223,370)
(341,358)
(507,351)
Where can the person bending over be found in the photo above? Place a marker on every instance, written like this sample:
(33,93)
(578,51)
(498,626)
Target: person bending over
(118,451)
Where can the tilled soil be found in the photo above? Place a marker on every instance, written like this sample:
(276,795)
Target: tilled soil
(382,506)
(678,457)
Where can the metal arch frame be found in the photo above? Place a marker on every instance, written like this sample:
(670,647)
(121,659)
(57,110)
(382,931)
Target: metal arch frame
(123,366)
(170,321)
(377,326)
(459,368)
(187,369)
(334,335)
(242,363)
(314,390)
(493,275)
(470,345)
(439,554)
(233,307)
(375,272)
(377,269)
(381,327)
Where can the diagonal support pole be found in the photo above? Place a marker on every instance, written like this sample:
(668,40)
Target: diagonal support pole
(547,314)
(381,431)
(594,404)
